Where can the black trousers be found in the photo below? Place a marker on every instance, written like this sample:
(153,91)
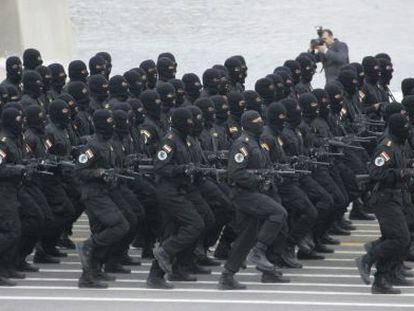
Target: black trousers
(302,212)
(108,224)
(10,227)
(35,217)
(184,223)
(259,218)
(323,202)
(395,236)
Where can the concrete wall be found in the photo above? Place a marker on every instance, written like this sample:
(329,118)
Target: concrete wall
(41,24)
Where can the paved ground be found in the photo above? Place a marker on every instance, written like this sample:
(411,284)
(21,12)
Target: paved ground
(331,284)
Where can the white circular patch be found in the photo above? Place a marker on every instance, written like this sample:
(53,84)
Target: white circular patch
(379,161)
(162,155)
(239,157)
(83,158)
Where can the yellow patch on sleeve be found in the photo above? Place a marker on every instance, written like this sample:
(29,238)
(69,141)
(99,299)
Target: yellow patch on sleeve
(167,148)
(233,129)
(265,146)
(243,150)
(89,153)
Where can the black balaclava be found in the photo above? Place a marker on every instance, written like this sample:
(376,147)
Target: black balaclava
(221,106)
(4,96)
(118,87)
(31,59)
(14,94)
(98,87)
(276,116)
(234,69)
(79,91)
(14,69)
(243,68)
(121,122)
(407,86)
(179,91)
(237,105)
(97,65)
(336,97)
(78,71)
(35,119)
(293,111)
(266,89)
(167,95)
(59,113)
(371,68)
(70,101)
(386,69)
(167,55)
(152,103)
(182,121)
(324,102)
(383,55)
(12,120)
(408,103)
(309,105)
(285,74)
(206,106)
(399,127)
(192,85)
(360,73)
(279,86)
(135,82)
(253,101)
(58,76)
(198,124)
(151,71)
(104,123)
(46,75)
(349,81)
(32,83)
(17,105)
(108,63)
(166,68)
(294,67)
(224,84)
(252,122)
(211,81)
(392,108)
(138,110)
(307,67)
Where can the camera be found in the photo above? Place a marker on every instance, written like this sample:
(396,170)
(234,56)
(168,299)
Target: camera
(319,41)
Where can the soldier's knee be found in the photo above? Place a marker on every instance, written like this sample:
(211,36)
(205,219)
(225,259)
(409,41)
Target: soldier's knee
(280,214)
(120,230)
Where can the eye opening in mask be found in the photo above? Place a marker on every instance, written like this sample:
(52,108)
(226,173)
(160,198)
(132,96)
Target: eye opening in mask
(210,109)
(84,91)
(236,69)
(140,109)
(355,81)
(152,69)
(65,110)
(298,71)
(16,66)
(84,71)
(271,87)
(62,74)
(257,120)
(19,118)
(189,121)
(110,120)
(158,101)
(242,103)
(338,96)
(308,68)
(105,85)
(376,67)
(170,95)
(171,67)
(124,84)
(197,84)
(281,116)
(199,117)
(280,85)
(144,77)
(314,105)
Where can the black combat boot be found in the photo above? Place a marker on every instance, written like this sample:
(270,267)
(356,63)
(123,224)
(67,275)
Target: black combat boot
(24,266)
(163,259)
(257,257)
(128,260)
(156,278)
(4,281)
(228,282)
(309,256)
(364,265)
(180,275)
(328,240)
(55,252)
(66,242)
(274,276)
(288,258)
(381,286)
(116,267)
(40,256)
(99,274)
(322,248)
(88,281)
(358,213)
(337,230)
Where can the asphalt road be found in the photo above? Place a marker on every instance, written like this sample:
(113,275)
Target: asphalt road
(330,284)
